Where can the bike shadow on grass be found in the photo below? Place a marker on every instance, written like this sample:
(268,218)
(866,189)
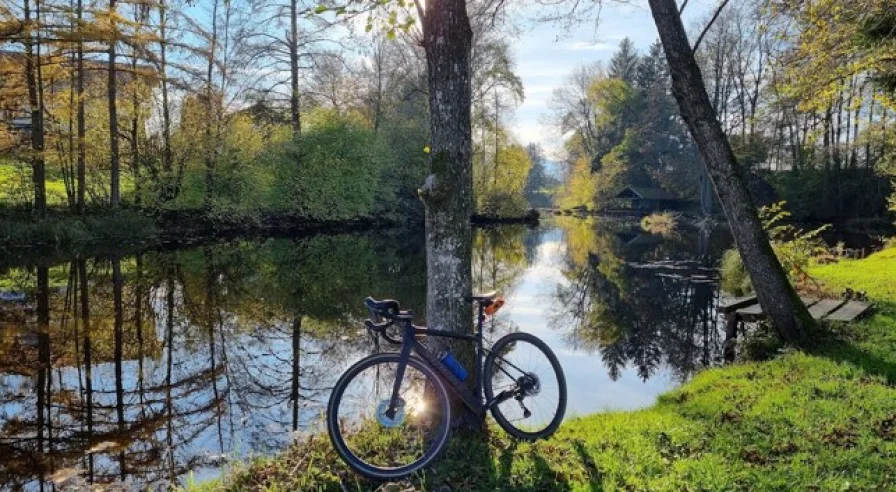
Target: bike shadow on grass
(492,461)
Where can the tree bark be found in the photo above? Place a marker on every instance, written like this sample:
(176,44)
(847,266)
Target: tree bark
(294,105)
(777,297)
(135,121)
(167,188)
(36,106)
(82,125)
(115,171)
(448,190)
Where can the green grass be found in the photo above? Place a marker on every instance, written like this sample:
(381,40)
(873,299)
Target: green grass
(875,274)
(819,420)
(15,185)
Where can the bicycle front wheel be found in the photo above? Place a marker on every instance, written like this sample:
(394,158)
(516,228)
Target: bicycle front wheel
(525,376)
(383,444)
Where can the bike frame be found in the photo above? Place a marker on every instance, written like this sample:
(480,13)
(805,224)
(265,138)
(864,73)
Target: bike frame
(472,400)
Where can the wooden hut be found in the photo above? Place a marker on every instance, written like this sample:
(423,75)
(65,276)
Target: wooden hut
(648,199)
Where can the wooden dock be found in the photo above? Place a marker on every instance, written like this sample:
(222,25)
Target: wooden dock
(747,309)
(841,310)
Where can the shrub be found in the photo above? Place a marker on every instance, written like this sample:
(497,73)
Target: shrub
(735,279)
(662,223)
(334,172)
(794,247)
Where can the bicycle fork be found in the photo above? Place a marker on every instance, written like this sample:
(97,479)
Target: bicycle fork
(403,358)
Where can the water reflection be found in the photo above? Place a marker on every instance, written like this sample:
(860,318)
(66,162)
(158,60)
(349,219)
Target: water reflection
(642,301)
(146,368)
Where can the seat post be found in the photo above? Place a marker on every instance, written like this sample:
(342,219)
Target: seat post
(480,319)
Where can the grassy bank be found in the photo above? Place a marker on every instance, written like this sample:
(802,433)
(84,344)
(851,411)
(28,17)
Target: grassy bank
(822,420)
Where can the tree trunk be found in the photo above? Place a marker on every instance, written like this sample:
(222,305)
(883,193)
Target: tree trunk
(36,106)
(294,69)
(448,190)
(210,109)
(82,125)
(167,188)
(135,123)
(777,297)
(115,171)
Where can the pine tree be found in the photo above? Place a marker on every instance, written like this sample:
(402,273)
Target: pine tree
(624,64)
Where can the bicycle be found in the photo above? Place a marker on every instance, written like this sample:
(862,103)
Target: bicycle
(389,414)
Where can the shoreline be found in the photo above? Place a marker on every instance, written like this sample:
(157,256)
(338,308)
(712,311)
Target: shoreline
(62,235)
(738,426)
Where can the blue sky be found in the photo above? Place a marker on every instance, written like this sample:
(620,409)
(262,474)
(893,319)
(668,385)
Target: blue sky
(546,53)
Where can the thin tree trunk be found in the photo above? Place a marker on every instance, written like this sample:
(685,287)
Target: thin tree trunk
(294,105)
(210,141)
(448,190)
(497,145)
(868,130)
(82,125)
(167,165)
(854,146)
(777,297)
(115,171)
(135,120)
(36,106)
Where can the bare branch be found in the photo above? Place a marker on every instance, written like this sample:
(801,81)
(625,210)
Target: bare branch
(712,21)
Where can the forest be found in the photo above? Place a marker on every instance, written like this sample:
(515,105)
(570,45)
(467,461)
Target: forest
(801,88)
(237,110)
(234,111)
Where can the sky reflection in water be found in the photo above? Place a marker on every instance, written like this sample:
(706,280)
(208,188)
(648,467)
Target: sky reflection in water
(186,359)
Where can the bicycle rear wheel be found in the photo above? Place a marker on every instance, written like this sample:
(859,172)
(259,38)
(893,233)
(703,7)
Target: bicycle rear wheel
(526,372)
(372,442)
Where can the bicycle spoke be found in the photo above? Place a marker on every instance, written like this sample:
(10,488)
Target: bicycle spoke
(385,441)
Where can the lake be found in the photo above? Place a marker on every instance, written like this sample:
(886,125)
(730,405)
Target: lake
(152,368)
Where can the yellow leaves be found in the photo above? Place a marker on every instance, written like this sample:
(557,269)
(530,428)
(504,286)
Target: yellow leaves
(829,48)
(581,186)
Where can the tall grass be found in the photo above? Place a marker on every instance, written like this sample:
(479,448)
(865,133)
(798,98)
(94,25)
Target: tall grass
(661,223)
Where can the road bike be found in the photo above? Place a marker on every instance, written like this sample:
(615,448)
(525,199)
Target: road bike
(390,414)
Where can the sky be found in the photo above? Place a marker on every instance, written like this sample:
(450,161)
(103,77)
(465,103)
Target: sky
(546,53)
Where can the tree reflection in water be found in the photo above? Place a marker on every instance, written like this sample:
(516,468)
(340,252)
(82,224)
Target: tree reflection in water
(147,368)
(631,310)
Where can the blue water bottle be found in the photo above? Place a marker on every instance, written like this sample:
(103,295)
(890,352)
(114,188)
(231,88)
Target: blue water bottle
(453,365)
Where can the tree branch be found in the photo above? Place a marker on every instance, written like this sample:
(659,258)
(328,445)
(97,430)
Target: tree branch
(709,25)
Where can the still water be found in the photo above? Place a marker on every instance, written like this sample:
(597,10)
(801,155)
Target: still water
(149,369)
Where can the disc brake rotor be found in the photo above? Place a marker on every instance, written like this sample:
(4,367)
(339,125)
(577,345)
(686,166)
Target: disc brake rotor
(384,419)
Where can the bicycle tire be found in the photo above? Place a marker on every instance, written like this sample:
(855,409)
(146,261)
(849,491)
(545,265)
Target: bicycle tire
(489,371)
(338,439)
